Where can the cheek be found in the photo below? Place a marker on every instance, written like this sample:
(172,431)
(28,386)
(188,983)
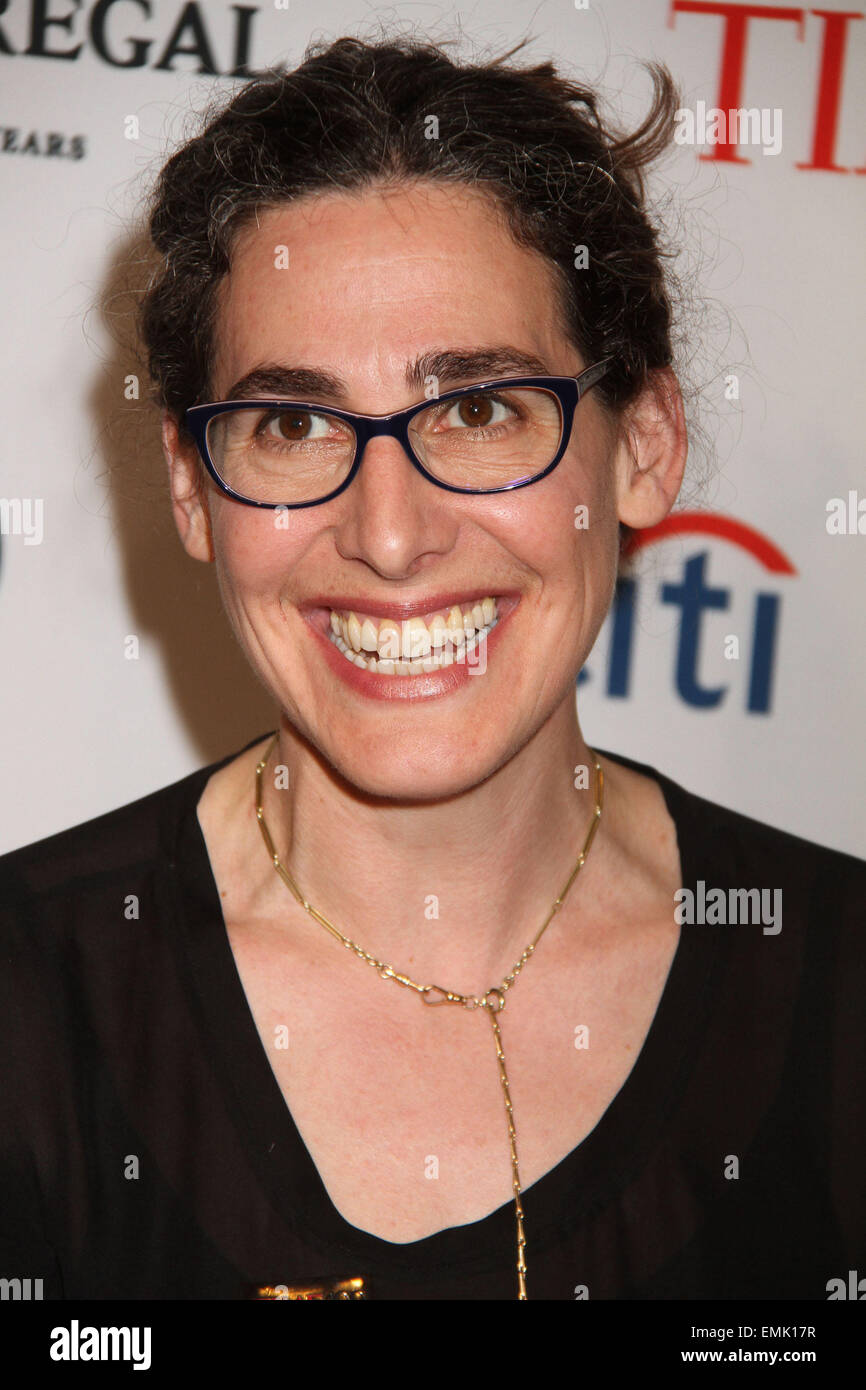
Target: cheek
(590,501)
(574,534)
(253,556)
(574,549)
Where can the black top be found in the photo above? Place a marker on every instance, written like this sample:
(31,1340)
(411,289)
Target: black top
(146,1150)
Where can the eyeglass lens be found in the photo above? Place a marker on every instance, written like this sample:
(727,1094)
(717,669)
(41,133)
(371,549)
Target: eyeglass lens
(483,440)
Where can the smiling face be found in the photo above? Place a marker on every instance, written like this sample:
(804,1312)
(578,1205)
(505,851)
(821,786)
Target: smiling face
(375,283)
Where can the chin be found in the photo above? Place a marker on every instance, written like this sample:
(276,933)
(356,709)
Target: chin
(420,773)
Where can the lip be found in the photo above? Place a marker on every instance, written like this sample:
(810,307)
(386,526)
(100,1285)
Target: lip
(429,684)
(313,608)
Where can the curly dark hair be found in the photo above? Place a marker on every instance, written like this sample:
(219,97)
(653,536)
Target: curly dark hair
(355,114)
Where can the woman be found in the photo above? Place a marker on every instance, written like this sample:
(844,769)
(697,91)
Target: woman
(381,277)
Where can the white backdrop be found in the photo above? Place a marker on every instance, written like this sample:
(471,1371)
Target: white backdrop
(88,554)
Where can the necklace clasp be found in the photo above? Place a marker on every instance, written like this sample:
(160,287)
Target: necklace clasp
(446,997)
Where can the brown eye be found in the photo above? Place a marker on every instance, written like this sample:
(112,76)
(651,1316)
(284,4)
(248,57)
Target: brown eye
(475,410)
(293,424)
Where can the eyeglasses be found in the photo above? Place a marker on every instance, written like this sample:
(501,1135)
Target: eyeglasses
(494,436)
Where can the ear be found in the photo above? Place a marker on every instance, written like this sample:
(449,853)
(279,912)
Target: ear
(188,498)
(651,458)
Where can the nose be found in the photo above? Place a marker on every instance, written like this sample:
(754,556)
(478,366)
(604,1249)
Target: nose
(391,517)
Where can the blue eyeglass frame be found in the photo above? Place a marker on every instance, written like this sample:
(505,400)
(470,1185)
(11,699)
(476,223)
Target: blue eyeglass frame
(569,391)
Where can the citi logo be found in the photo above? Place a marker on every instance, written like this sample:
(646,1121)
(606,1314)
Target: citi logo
(692,599)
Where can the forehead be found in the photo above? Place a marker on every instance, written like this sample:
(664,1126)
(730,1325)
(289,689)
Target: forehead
(361,283)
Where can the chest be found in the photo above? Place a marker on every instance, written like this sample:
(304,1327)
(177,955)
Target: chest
(401,1106)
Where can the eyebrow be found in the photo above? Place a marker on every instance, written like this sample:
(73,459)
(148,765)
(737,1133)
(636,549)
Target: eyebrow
(451,367)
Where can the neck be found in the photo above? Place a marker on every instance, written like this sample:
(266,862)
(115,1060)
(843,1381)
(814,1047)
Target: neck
(454,888)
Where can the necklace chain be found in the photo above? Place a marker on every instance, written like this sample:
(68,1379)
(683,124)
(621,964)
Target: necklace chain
(493,1002)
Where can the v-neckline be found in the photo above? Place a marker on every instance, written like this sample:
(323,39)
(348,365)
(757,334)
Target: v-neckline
(587,1176)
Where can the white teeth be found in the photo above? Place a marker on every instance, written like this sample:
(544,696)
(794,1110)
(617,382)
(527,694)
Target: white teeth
(435,660)
(414,639)
(388,640)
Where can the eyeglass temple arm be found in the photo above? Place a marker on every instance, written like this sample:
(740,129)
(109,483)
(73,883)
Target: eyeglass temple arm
(592,375)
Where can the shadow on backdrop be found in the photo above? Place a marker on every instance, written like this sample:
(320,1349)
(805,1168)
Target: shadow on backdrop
(172,598)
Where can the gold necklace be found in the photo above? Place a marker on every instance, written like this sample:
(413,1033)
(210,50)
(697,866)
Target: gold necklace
(493,1002)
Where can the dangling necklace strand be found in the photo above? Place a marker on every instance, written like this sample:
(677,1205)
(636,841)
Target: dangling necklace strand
(493,1002)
